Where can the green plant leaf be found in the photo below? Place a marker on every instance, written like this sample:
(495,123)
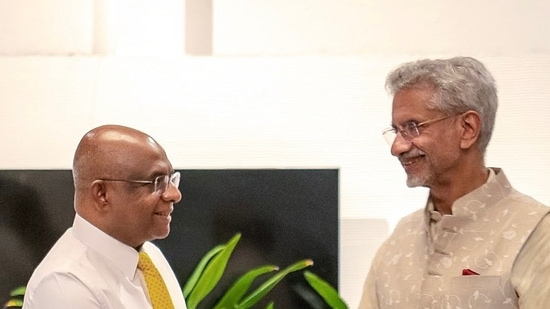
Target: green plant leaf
(267,286)
(212,273)
(20,291)
(192,280)
(239,288)
(327,291)
(13,303)
(271,305)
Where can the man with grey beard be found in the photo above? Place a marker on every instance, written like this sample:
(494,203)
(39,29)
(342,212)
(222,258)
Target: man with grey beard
(477,243)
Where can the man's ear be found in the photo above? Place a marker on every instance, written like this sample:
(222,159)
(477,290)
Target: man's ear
(471,128)
(99,195)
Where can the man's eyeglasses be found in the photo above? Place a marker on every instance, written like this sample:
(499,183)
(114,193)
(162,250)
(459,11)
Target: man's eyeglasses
(410,130)
(160,183)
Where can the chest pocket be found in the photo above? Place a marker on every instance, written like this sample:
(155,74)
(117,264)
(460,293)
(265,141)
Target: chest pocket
(480,292)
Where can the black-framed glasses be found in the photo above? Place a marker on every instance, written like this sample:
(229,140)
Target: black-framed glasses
(160,183)
(409,131)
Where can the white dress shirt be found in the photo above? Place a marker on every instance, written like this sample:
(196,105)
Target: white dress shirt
(88,269)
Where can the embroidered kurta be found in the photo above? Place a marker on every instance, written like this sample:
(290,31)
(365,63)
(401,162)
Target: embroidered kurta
(421,264)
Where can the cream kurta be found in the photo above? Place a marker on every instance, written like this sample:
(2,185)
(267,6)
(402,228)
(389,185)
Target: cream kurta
(419,268)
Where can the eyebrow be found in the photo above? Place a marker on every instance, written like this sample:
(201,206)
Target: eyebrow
(393,125)
(159,173)
(150,176)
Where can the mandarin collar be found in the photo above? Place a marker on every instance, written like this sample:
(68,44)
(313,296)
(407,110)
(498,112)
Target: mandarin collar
(472,204)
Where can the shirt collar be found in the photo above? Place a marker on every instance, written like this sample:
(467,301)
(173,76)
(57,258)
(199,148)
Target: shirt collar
(121,255)
(495,188)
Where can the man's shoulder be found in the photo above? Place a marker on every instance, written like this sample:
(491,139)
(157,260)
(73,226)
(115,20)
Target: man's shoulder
(521,199)
(417,216)
(67,256)
(413,223)
(515,197)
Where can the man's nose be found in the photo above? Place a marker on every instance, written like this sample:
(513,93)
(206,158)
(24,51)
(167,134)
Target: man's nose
(400,145)
(172,193)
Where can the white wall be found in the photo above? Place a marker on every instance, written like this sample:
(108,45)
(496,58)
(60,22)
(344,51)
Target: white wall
(288,84)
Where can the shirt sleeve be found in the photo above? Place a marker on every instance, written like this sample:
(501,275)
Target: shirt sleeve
(531,270)
(61,291)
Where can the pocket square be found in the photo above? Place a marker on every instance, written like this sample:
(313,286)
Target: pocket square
(469,272)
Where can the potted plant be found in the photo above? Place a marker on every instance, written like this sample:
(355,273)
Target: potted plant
(212,266)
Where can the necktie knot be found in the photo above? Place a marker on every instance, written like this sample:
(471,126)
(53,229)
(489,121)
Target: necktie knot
(144,263)
(160,298)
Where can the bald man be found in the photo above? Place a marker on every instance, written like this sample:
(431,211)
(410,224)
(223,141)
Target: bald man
(125,191)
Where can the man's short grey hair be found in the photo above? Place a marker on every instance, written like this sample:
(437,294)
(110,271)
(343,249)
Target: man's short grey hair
(460,84)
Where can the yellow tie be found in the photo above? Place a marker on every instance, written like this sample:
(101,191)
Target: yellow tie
(155,285)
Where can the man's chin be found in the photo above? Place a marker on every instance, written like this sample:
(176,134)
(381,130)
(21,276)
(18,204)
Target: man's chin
(413,182)
(163,234)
